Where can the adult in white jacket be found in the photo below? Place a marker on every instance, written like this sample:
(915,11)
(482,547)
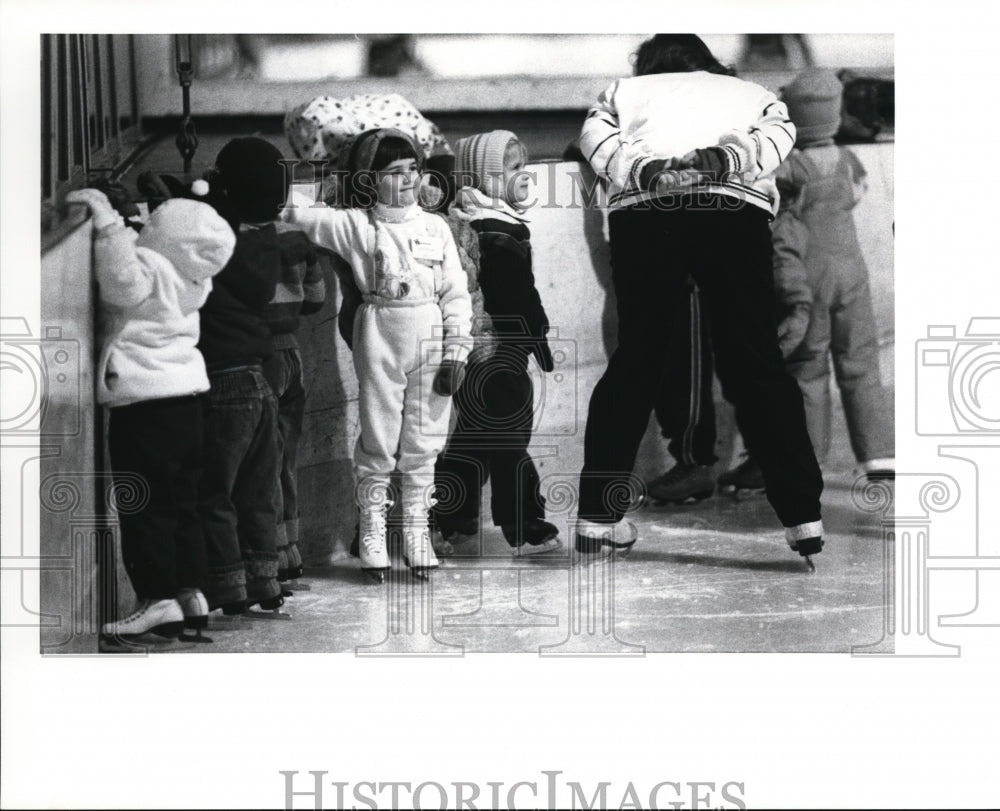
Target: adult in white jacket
(150,374)
(686,153)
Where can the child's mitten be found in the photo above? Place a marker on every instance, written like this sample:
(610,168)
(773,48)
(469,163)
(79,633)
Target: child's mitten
(449,377)
(792,329)
(100,207)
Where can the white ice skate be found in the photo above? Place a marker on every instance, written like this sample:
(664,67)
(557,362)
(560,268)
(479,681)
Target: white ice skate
(417,549)
(594,539)
(161,617)
(372,546)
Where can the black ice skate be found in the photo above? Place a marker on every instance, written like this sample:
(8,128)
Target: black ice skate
(682,484)
(743,480)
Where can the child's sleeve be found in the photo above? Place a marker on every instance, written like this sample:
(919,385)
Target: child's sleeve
(859,177)
(327,227)
(299,253)
(760,150)
(126,275)
(454,299)
(790,239)
(601,143)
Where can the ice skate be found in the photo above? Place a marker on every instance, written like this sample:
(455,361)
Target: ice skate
(878,469)
(597,539)
(744,479)
(160,617)
(535,537)
(195,608)
(682,484)
(372,547)
(418,552)
(267,609)
(807,540)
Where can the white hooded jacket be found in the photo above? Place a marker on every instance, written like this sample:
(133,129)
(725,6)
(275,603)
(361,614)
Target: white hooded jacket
(151,288)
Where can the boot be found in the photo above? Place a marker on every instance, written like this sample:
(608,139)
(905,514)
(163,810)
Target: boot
(534,537)
(162,617)
(596,539)
(683,484)
(745,477)
(372,548)
(417,549)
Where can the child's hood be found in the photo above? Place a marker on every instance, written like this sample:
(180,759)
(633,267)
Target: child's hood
(191,235)
(471,204)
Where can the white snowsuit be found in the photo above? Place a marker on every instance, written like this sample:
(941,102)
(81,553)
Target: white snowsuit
(416,311)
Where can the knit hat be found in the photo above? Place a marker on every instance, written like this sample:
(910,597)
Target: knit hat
(479,158)
(251,172)
(814,101)
(191,235)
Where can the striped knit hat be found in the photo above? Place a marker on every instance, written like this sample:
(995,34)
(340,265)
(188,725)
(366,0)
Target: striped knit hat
(480,157)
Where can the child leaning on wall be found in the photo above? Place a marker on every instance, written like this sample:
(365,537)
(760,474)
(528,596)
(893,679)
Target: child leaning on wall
(151,376)
(410,335)
(495,406)
(821,183)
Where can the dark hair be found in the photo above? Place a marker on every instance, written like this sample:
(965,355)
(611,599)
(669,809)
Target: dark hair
(393,148)
(361,182)
(677,53)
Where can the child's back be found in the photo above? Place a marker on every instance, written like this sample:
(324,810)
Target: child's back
(151,291)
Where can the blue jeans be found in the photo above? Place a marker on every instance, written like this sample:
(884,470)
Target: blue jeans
(283,371)
(238,488)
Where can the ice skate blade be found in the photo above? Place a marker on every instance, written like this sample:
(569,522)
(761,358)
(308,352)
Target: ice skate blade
(533,550)
(811,566)
(376,576)
(197,637)
(421,572)
(687,501)
(273,614)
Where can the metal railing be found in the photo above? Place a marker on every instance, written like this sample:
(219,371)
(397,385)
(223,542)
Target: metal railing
(90,115)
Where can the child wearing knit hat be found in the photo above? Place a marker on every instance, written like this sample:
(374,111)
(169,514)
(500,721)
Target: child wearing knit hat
(151,375)
(820,184)
(410,334)
(495,407)
(241,502)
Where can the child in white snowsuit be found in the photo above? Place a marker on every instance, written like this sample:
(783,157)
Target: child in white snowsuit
(820,183)
(150,374)
(410,336)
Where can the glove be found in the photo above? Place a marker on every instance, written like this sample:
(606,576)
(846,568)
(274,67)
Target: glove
(792,329)
(101,209)
(449,377)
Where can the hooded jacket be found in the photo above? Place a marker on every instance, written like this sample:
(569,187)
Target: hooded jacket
(151,287)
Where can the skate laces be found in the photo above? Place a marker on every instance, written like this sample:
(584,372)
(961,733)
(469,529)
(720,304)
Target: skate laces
(139,611)
(374,539)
